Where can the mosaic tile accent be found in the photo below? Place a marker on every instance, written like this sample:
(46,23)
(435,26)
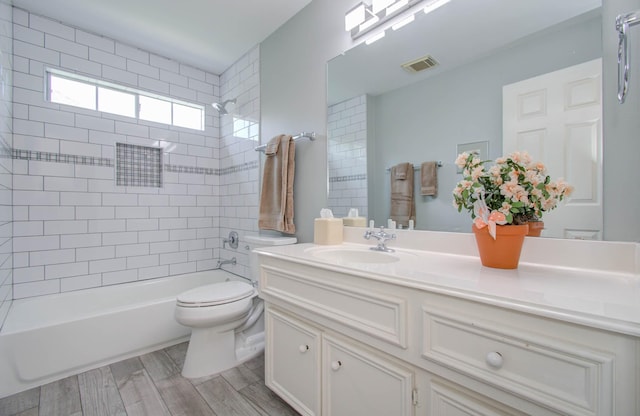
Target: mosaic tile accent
(138,165)
(349,178)
(104,161)
(60,158)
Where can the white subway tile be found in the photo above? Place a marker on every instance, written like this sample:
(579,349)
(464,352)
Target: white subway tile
(181,268)
(175,257)
(153,200)
(117,238)
(69,47)
(204,254)
(94,172)
(28,274)
(182,234)
(132,129)
(80,149)
(45,287)
(108,265)
(95,253)
(120,199)
(94,213)
(192,211)
(163,212)
(47,25)
(118,277)
(153,272)
(101,185)
(174,78)
(28,128)
(97,123)
(28,35)
(80,240)
(95,41)
(142,225)
(50,169)
(200,222)
(210,264)
(164,247)
(188,245)
(119,75)
(192,72)
(27,50)
(101,226)
(41,258)
(69,284)
(81,65)
(52,183)
(107,58)
(57,271)
(136,262)
(20,259)
(125,250)
(36,243)
(132,212)
(153,236)
(172,223)
(142,69)
(80,198)
(27,228)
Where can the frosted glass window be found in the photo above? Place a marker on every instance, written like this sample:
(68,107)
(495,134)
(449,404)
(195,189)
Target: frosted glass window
(72,92)
(187,116)
(116,102)
(154,109)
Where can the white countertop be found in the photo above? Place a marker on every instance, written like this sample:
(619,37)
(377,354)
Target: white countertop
(592,296)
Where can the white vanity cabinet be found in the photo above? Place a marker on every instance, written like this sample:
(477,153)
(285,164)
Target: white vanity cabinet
(324,374)
(345,342)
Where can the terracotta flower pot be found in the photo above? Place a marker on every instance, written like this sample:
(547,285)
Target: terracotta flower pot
(504,251)
(535,228)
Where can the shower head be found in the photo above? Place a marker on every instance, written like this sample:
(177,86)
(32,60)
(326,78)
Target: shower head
(221,108)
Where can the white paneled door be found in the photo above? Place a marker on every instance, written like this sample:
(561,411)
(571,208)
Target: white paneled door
(557,118)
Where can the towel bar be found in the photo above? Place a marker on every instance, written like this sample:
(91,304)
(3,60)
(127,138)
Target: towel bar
(303,135)
(416,168)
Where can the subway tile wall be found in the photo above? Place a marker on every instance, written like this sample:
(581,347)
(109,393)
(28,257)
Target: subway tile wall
(6,163)
(347,156)
(73,227)
(239,131)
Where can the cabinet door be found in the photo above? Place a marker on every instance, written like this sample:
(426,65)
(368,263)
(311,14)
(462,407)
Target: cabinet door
(356,382)
(292,361)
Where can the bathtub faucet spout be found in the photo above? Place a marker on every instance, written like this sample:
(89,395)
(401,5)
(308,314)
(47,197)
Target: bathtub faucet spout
(221,262)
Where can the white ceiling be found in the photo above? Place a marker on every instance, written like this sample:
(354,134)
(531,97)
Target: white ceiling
(207,34)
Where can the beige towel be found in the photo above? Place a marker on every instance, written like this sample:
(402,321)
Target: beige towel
(429,178)
(403,207)
(276,199)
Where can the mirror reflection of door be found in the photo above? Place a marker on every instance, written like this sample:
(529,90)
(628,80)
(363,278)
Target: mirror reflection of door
(557,118)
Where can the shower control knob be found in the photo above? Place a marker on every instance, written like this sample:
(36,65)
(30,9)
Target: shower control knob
(335,365)
(303,348)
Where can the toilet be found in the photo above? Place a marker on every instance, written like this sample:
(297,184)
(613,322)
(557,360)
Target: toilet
(225,318)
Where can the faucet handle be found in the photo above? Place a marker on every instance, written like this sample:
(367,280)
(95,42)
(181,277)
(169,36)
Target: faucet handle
(368,234)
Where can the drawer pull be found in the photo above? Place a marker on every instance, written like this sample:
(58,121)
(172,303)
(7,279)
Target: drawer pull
(494,359)
(303,348)
(335,365)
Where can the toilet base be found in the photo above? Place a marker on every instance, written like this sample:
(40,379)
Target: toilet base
(209,352)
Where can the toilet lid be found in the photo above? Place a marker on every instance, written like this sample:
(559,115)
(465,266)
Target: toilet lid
(216,294)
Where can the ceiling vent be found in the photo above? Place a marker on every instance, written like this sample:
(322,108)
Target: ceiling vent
(420,64)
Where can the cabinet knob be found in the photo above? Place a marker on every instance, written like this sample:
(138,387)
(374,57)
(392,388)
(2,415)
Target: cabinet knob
(335,365)
(494,359)
(303,348)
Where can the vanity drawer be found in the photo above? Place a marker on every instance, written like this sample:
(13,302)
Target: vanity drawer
(369,311)
(569,378)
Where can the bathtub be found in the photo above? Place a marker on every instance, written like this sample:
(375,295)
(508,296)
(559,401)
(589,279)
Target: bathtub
(47,338)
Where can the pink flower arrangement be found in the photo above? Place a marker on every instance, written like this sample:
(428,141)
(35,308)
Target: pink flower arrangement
(514,190)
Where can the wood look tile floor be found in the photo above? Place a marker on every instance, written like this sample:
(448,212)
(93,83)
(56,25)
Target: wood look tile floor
(151,385)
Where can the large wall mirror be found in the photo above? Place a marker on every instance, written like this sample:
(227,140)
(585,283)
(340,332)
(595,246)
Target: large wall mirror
(380,114)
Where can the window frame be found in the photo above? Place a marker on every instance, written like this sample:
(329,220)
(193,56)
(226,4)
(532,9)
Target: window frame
(97,83)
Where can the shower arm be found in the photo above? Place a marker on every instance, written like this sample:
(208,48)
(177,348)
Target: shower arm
(623,23)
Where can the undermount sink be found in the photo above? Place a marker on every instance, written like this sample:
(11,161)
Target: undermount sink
(344,256)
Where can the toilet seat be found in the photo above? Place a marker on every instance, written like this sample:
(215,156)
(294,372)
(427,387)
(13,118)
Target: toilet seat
(215,294)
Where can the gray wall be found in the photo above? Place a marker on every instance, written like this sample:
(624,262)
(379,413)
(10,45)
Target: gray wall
(293,80)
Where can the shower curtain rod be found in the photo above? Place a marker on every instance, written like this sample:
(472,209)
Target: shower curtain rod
(303,135)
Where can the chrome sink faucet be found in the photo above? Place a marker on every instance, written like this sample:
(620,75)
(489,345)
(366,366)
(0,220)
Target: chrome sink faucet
(382,236)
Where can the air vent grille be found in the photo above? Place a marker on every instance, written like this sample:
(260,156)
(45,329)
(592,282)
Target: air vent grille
(420,64)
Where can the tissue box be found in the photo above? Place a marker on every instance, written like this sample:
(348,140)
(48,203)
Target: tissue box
(327,231)
(355,221)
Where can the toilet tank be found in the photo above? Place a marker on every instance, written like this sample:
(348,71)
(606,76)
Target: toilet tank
(257,241)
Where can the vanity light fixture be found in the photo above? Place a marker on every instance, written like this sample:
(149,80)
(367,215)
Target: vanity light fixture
(374,38)
(355,17)
(434,4)
(403,22)
(382,14)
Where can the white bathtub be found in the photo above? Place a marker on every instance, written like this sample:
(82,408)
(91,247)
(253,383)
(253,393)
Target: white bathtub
(47,338)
